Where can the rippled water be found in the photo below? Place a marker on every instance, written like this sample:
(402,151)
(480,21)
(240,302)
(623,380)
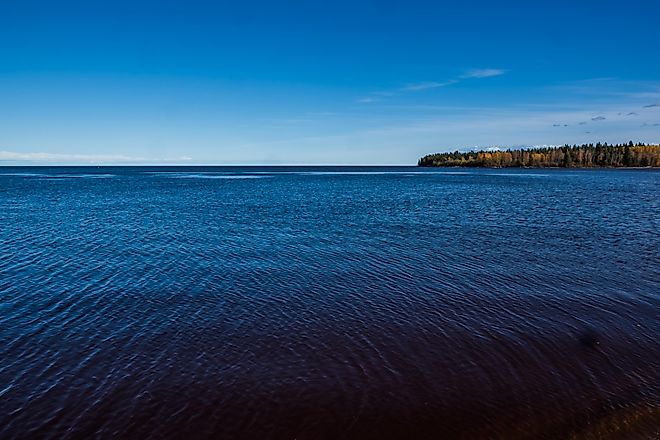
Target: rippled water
(317,303)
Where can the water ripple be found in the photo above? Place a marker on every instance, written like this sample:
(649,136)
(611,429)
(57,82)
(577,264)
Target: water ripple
(328,303)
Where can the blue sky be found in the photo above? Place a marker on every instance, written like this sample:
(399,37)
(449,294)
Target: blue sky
(308,83)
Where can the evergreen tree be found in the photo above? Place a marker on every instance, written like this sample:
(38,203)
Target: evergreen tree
(586,155)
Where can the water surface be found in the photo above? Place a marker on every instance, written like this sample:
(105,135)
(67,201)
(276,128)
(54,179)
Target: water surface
(311,303)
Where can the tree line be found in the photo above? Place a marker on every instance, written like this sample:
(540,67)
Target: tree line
(576,156)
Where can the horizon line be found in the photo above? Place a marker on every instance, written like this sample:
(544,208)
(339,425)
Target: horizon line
(201,165)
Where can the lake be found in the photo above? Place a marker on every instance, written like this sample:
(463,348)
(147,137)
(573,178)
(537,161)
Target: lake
(329,302)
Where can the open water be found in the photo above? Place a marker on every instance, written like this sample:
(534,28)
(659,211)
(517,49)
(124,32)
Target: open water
(314,303)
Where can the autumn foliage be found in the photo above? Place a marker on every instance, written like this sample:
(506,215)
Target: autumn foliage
(576,156)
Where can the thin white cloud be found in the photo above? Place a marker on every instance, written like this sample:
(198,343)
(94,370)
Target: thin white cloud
(383,93)
(426,85)
(412,87)
(483,73)
(15,156)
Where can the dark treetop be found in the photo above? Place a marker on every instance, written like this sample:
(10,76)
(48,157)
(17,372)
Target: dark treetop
(577,156)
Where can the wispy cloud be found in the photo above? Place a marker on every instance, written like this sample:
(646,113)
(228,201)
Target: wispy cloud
(598,118)
(14,156)
(412,87)
(426,85)
(483,73)
(652,105)
(384,93)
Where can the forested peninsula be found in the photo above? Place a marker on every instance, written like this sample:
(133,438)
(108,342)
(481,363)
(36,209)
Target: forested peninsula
(576,156)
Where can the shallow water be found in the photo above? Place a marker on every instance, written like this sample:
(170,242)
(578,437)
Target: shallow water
(317,303)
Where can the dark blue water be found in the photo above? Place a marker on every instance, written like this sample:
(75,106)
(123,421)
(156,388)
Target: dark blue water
(317,303)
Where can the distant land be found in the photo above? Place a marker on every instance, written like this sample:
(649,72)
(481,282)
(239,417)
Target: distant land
(577,156)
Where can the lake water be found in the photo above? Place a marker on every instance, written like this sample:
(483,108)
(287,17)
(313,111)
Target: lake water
(313,303)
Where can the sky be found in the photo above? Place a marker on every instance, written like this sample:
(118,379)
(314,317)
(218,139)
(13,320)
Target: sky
(342,82)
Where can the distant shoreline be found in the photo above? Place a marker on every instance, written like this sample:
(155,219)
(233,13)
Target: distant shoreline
(630,156)
(494,167)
